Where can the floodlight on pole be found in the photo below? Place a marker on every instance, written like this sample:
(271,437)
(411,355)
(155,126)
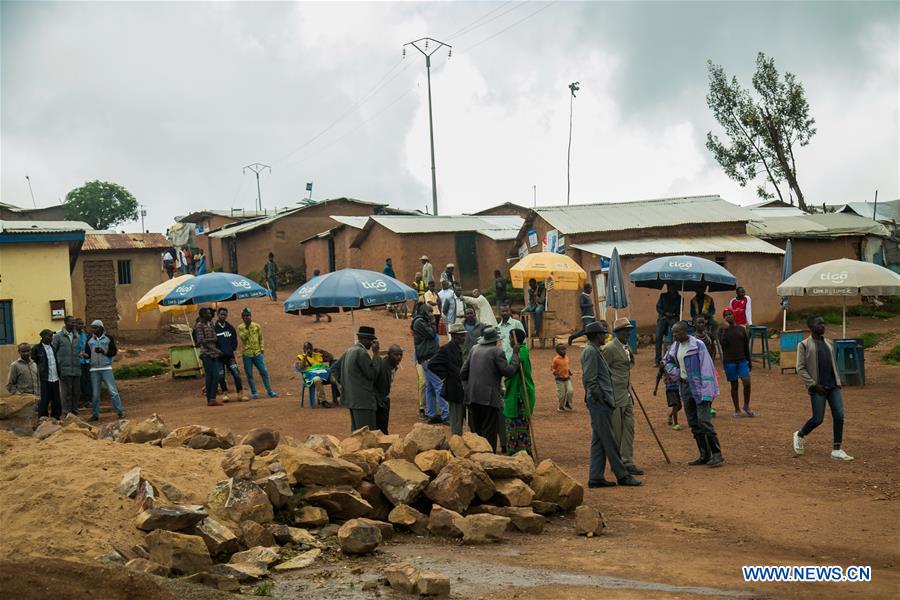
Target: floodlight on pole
(257,168)
(573,87)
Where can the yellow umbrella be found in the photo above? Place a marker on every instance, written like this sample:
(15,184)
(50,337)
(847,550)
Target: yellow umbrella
(566,273)
(150,300)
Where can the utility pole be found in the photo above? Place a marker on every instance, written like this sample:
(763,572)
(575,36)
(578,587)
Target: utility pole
(257,168)
(422,46)
(143,214)
(28,179)
(534,189)
(573,87)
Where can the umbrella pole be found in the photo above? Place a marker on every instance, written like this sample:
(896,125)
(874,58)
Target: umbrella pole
(681,307)
(844,313)
(196,353)
(784,319)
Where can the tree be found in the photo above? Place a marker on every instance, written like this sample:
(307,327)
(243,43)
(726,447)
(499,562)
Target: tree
(762,132)
(101,204)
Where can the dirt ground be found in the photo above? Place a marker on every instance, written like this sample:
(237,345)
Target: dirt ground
(685,533)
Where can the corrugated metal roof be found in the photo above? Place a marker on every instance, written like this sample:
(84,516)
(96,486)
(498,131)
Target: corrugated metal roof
(355,222)
(43,226)
(741,244)
(662,212)
(886,212)
(763,212)
(124,241)
(234,213)
(446,223)
(250,225)
(815,226)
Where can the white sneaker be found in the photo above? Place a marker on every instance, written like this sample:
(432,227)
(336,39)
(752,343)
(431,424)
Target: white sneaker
(799,444)
(224,397)
(839,454)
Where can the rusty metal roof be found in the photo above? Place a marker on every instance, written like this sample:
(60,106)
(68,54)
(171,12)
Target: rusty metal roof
(94,242)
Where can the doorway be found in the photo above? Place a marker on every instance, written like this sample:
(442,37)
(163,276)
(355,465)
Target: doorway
(232,254)
(332,266)
(466,260)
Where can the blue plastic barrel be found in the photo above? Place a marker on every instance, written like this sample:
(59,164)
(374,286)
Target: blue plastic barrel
(788,340)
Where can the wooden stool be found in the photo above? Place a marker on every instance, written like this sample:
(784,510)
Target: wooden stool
(762,333)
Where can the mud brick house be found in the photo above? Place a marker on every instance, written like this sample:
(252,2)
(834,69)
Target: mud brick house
(205,221)
(507,208)
(111,274)
(10,212)
(475,245)
(246,244)
(705,226)
(330,250)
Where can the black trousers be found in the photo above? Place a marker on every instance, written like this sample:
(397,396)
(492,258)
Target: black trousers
(230,365)
(604,447)
(484,421)
(87,393)
(382,416)
(211,366)
(50,398)
(362,417)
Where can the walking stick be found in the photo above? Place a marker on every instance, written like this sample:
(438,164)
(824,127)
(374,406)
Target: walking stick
(525,414)
(653,431)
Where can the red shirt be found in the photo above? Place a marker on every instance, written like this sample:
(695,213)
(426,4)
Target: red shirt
(739,309)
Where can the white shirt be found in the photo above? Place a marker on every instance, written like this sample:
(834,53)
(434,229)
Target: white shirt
(483,311)
(52,374)
(168,256)
(442,297)
(505,329)
(682,351)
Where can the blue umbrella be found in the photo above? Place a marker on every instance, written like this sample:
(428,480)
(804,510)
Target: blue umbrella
(347,288)
(786,271)
(214,287)
(615,283)
(689,272)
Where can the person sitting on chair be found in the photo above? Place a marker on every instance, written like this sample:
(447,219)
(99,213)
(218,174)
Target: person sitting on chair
(314,366)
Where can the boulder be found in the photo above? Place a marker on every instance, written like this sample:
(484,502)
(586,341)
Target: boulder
(170,491)
(428,437)
(257,554)
(72,419)
(361,439)
(497,466)
(170,518)
(371,493)
(253,534)
(588,521)
(440,522)
(400,480)
(409,518)
(46,428)
(312,468)
(403,448)
(223,583)
(220,540)
(146,497)
(311,517)
(545,508)
(552,484)
(367,460)
(463,446)
(74,429)
(358,537)
(277,489)
(342,503)
(131,482)
(11,405)
(520,518)
(482,528)
(112,431)
(432,583)
(458,483)
(141,432)
(301,561)
(402,576)
(207,442)
(143,565)
(179,552)
(261,439)
(139,551)
(387,530)
(513,492)
(326,445)
(284,534)
(432,461)
(243,572)
(239,500)
(238,462)
(180,435)
(385,441)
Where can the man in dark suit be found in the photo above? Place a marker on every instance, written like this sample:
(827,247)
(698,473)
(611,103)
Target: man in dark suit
(48,370)
(484,369)
(384,377)
(357,379)
(620,361)
(447,364)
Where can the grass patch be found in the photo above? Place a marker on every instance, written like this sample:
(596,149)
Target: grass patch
(893,356)
(132,352)
(263,589)
(141,370)
(870,339)
(774,357)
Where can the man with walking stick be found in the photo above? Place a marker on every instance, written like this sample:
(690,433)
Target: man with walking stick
(620,360)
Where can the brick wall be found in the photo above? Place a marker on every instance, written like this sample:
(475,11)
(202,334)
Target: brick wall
(100,293)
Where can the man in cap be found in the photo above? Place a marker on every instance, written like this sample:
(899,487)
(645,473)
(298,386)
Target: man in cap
(48,370)
(102,349)
(252,348)
(427,270)
(600,402)
(420,286)
(385,369)
(448,275)
(446,365)
(68,360)
(356,374)
(620,360)
(482,373)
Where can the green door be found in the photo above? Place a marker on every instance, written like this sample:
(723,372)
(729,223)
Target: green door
(466,260)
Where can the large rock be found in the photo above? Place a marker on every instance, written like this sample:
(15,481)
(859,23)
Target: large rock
(552,484)
(257,554)
(72,419)
(403,448)
(143,565)
(545,508)
(482,528)
(402,576)
(261,439)
(372,494)
(208,442)
(292,535)
(198,437)
(432,583)
(301,561)
(409,518)
(459,483)
(358,537)
(367,460)
(146,497)
(513,492)
(11,405)
(253,534)
(131,483)
(141,432)
(432,461)
(326,445)
(440,522)
(311,517)
(588,521)
(243,572)
(519,466)
(463,446)
(239,500)
(216,581)
(342,503)
(428,437)
(181,553)
(220,540)
(400,480)
(361,439)
(46,428)
(387,530)
(314,469)
(520,518)
(170,518)
(385,441)
(75,429)
(112,431)
(277,489)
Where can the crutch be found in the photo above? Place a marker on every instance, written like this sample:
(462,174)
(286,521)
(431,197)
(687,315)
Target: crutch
(653,431)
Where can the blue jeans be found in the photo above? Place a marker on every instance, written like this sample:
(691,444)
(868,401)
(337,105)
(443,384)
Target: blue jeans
(836,402)
(433,400)
(105,376)
(538,310)
(260,364)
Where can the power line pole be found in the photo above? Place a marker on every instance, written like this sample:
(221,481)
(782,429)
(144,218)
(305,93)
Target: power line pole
(143,214)
(426,52)
(573,87)
(257,168)
(28,179)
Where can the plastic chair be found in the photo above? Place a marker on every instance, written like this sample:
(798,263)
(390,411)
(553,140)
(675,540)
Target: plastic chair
(850,359)
(761,333)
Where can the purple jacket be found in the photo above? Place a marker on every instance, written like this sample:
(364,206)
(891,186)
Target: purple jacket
(701,374)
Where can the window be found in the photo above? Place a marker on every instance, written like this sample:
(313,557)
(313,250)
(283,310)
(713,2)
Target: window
(123,271)
(7,336)
(720,260)
(279,235)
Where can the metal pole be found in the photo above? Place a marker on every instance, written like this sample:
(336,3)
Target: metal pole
(31,191)
(569,154)
(257,168)
(258,194)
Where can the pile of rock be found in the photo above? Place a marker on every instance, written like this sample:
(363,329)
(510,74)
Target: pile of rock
(369,483)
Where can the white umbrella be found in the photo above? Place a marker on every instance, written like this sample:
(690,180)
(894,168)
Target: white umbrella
(842,277)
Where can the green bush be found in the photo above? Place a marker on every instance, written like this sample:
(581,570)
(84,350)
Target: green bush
(141,370)
(514,296)
(296,275)
(263,589)
(774,357)
(870,339)
(893,356)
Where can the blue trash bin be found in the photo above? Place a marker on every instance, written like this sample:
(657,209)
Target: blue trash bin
(632,339)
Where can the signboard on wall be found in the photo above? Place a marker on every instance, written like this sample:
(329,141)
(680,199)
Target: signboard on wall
(561,245)
(532,238)
(523,250)
(552,240)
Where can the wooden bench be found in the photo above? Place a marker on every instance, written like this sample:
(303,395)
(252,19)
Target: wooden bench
(550,324)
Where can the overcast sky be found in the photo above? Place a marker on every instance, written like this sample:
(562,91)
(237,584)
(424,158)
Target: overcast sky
(172,99)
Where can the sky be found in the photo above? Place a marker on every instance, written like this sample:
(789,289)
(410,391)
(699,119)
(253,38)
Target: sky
(173,99)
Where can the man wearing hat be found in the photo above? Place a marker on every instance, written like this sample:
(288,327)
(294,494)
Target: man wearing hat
(620,360)
(101,349)
(252,349)
(600,402)
(448,276)
(446,365)
(385,369)
(357,375)
(427,270)
(484,369)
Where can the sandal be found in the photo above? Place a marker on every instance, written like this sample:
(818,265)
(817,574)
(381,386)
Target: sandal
(737,415)
(749,413)
(676,427)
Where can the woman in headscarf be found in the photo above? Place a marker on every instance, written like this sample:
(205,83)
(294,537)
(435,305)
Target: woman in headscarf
(517,414)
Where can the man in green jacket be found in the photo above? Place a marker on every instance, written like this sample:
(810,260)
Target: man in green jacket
(68,359)
(620,360)
(357,378)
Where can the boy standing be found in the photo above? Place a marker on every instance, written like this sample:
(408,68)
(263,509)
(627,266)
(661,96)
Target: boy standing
(560,369)
(736,360)
(227,340)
